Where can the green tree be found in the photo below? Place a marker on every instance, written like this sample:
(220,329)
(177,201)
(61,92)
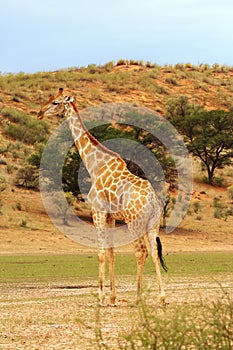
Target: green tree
(70,172)
(27,177)
(208,134)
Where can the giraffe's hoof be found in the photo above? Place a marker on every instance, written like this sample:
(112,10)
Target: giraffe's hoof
(138,300)
(113,305)
(113,300)
(101,301)
(162,300)
(101,304)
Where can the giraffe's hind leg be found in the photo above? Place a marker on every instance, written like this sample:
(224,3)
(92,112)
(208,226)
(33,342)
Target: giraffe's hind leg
(156,253)
(141,253)
(111,261)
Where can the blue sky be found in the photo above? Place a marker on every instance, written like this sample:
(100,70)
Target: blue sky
(52,34)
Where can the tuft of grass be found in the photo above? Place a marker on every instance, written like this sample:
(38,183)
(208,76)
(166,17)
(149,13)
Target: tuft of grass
(23,223)
(185,327)
(197,207)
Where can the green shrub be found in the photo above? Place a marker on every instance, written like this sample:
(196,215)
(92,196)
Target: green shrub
(122,62)
(197,327)
(230,191)
(134,63)
(171,80)
(217,203)
(180,66)
(29,131)
(3,162)
(3,184)
(197,207)
(148,64)
(27,177)
(18,206)
(35,159)
(218,213)
(108,66)
(14,115)
(218,181)
(63,202)
(9,169)
(23,223)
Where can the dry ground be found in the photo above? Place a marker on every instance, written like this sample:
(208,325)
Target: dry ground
(63,314)
(59,316)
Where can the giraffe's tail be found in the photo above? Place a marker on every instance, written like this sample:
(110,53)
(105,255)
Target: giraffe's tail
(161,258)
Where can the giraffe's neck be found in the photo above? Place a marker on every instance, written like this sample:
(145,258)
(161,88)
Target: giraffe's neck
(94,155)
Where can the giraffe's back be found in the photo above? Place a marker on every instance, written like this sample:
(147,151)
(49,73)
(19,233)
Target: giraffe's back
(124,196)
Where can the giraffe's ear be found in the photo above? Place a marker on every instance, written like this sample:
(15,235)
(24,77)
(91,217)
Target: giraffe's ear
(60,91)
(69,99)
(51,98)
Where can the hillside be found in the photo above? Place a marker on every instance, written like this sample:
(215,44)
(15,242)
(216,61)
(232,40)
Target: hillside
(146,84)
(24,224)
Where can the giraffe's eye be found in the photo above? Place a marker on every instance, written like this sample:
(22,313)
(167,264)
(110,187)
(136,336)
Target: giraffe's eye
(55,103)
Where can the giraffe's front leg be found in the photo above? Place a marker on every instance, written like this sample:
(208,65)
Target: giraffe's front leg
(104,223)
(111,259)
(100,224)
(101,259)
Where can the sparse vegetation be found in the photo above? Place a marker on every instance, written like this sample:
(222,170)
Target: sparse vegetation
(55,293)
(191,327)
(134,81)
(24,128)
(222,209)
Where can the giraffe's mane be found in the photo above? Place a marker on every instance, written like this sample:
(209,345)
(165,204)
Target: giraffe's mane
(94,141)
(103,148)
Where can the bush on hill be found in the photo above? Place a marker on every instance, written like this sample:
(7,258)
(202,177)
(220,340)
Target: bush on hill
(24,128)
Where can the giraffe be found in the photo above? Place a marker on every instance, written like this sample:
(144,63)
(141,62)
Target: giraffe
(115,194)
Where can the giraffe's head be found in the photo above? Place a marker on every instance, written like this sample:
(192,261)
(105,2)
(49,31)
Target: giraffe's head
(55,106)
